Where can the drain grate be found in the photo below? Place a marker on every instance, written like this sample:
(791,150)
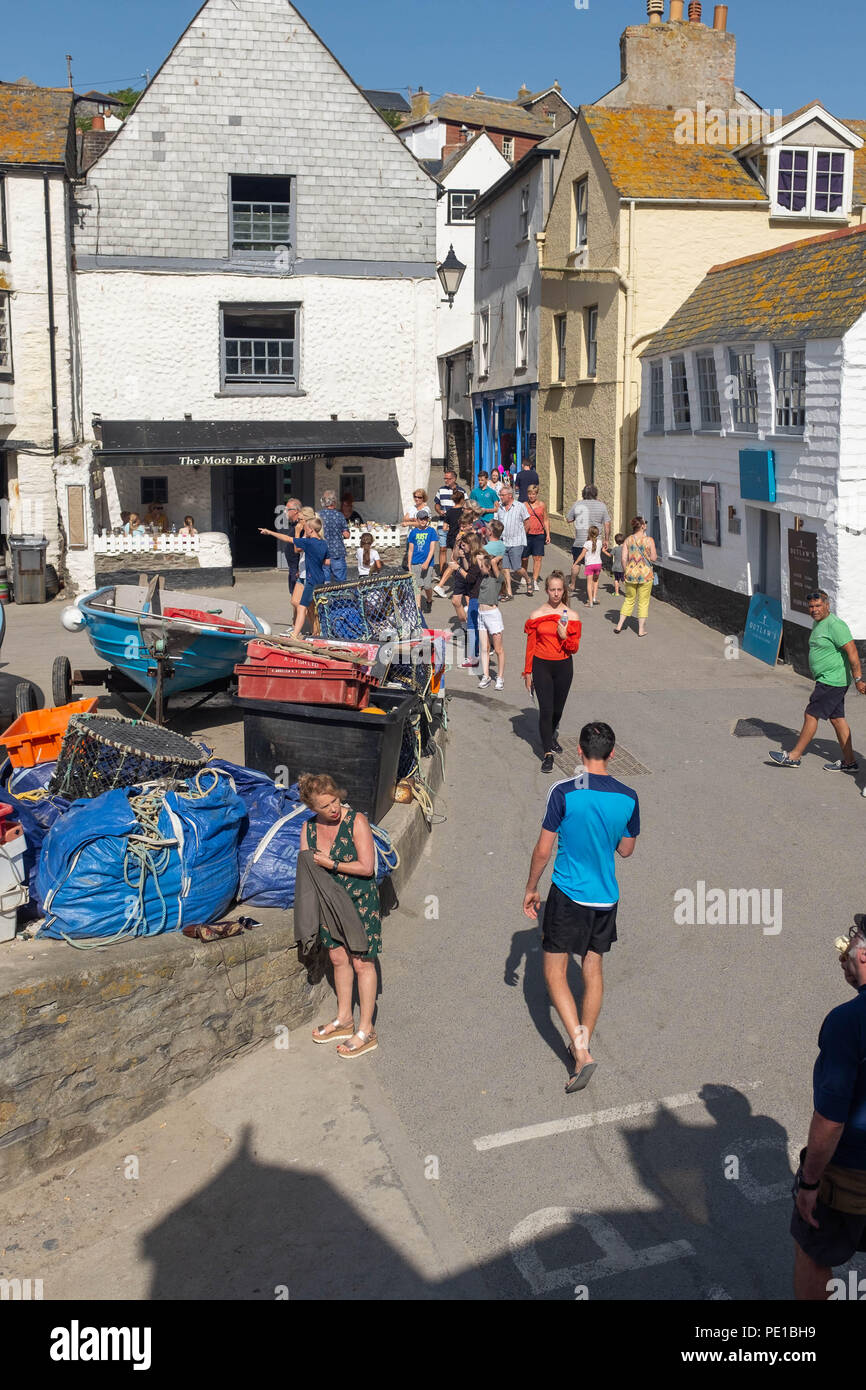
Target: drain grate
(751,728)
(624,765)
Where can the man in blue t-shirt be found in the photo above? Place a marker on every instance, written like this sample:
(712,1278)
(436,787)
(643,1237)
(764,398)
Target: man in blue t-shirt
(486,497)
(829,1221)
(594,818)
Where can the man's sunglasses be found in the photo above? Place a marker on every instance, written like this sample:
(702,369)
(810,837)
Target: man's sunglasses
(845,944)
(812,598)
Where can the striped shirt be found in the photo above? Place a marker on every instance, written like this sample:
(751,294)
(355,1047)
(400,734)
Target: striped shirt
(512,519)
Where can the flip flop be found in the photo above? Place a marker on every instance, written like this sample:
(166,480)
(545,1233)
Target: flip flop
(581,1079)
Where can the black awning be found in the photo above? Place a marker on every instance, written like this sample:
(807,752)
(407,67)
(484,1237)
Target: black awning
(224,442)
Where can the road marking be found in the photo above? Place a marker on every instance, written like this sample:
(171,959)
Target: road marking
(618,1258)
(600,1117)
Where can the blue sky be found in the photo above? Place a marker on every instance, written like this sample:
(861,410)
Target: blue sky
(789,51)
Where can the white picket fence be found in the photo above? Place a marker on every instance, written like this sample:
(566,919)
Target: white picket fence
(384,537)
(136,545)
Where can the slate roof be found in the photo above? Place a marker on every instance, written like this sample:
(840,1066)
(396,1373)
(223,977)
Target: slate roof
(386,101)
(35,125)
(493,112)
(644,160)
(809,289)
(101,97)
(859,128)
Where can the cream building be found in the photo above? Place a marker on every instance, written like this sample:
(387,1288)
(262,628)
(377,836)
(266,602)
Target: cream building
(672,172)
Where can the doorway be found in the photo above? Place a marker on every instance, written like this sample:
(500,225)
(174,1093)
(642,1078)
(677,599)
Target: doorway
(764,532)
(252,502)
(654,519)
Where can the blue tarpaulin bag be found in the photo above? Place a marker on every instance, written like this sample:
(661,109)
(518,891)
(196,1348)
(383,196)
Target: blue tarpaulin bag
(36,817)
(123,864)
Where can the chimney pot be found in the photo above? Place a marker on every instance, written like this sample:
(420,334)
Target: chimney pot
(695,9)
(655,10)
(98,123)
(720,18)
(676,11)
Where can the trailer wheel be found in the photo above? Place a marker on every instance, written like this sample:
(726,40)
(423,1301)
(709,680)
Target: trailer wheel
(25,697)
(61,681)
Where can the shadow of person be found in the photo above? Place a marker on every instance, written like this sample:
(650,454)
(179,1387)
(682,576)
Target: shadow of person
(780,734)
(725,1186)
(525,727)
(259,1231)
(526,950)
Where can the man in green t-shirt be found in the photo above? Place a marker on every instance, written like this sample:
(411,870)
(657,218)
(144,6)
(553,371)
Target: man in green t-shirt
(833,659)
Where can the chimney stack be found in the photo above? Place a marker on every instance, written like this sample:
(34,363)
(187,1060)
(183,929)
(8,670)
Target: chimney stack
(420,103)
(695,9)
(720,18)
(655,10)
(676,11)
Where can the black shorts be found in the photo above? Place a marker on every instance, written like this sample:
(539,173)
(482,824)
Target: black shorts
(827,701)
(838,1238)
(461,588)
(570,928)
(534,546)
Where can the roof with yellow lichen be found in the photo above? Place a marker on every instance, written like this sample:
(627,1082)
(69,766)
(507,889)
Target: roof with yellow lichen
(35,125)
(493,112)
(809,289)
(644,159)
(859,128)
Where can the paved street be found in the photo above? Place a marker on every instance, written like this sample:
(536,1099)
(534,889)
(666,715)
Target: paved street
(451,1164)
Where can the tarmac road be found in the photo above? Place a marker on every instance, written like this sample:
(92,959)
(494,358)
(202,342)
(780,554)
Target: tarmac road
(670,1176)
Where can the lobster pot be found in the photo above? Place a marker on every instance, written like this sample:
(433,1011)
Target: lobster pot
(375,609)
(102,752)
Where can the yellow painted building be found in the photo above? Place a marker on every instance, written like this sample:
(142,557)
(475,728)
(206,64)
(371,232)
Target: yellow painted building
(649,199)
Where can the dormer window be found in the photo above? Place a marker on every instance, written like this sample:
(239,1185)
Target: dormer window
(807,166)
(811,182)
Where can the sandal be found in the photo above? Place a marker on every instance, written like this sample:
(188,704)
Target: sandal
(338,1032)
(369,1043)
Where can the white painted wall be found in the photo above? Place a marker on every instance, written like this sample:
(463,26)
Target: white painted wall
(481,166)
(367,350)
(25,403)
(426,141)
(812,473)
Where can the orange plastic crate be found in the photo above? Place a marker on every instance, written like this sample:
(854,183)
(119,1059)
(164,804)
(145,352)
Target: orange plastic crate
(36,737)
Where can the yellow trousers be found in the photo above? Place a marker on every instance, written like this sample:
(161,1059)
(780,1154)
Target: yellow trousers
(640,594)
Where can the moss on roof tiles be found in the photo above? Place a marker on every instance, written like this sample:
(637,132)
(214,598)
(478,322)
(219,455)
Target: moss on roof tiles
(34,124)
(492,112)
(816,287)
(644,159)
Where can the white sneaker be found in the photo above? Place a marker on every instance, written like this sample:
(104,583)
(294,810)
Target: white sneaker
(484,682)
(437,589)
(500,683)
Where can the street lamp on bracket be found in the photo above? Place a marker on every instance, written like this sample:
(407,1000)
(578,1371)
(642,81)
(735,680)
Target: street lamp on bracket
(450,273)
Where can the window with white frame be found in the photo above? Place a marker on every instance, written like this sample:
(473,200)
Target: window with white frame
(484,342)
(508,147)
(5,337)
(261,212)
(581,213)
(791,389)
(485,240)
(680,394)
(560,323)
(2,212)
(259,344)
(708,391)
(522,345)
(459,202)
(592,341)
(657,397)
(812,182)
(687,519)
(524,212)
(745,383)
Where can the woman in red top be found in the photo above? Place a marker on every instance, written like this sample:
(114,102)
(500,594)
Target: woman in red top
(552,638)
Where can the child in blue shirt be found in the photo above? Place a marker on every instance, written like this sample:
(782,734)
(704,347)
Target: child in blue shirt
(315,551)
(422,543)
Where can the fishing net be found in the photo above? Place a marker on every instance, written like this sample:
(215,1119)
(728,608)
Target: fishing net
(101,752)
(375,609)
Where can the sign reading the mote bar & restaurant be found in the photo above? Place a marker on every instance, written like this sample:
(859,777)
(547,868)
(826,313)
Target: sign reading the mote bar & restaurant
(243,460)
(802,567)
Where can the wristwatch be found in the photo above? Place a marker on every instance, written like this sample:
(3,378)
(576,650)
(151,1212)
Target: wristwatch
(807,1186)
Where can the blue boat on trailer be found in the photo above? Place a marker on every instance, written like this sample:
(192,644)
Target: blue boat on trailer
(159,641)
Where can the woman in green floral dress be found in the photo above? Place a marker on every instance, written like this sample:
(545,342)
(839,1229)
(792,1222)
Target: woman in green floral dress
(342,843)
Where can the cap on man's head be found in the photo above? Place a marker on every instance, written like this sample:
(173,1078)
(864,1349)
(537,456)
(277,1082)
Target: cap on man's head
(422,514)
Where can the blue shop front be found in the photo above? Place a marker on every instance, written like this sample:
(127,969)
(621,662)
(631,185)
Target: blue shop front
(504,428)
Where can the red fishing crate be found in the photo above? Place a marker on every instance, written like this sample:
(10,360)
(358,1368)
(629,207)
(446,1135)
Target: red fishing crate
(298,678)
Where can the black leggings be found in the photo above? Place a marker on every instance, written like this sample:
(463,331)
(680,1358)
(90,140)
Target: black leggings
(552,682)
